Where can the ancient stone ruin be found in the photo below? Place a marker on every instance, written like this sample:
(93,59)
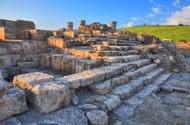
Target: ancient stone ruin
(94,75)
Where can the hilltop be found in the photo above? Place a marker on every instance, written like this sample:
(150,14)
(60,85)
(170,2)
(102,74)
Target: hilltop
(163,32)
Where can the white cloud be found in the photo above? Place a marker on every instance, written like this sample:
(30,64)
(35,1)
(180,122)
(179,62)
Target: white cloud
(151,15)
(155,10)
(129,24)
(176,2)
(134,18)
(181,16)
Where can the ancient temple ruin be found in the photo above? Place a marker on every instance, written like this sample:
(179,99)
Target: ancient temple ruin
(93,70)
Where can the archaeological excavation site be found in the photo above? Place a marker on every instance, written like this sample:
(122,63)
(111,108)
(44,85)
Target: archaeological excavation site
(94,74)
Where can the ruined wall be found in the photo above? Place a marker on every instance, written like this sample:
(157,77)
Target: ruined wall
(17,29)
(56,42)
(2,33)
(68,64)
(11,52)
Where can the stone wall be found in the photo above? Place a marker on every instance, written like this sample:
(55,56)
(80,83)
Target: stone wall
(56,42)
(16,29)
(68,64)
(2,33)
(11,52)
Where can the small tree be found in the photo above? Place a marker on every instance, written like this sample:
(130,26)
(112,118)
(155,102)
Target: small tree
(180,24)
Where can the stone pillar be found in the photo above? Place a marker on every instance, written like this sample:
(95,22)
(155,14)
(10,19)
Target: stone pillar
(113,25)
(82,23)
(69,26)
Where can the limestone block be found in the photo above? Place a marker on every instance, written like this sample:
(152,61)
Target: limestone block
(67,116)
(49,96)
(112,102)
(14,48)
(2,33)
(9,60)
(28,81)
(3,49)
(12,100)
(97,117)
(137,85)
(31,64)
(87,107)
(124,91)
(101,87)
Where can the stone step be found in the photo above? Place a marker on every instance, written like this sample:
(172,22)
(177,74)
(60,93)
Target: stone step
(28,64)
(118,43)
(113,48)
(106,86)
(127,90)
(90,77)
(121,59)
(12,100)
(117,53)
(110,102)
(68,64)
(127,108)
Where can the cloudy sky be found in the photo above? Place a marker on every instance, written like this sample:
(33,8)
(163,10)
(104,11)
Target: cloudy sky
(53,14)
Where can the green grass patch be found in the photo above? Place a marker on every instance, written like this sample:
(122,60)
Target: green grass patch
(163,32)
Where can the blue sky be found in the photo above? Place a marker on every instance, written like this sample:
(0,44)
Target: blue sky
(53,14)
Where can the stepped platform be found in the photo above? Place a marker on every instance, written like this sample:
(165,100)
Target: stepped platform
(97,81)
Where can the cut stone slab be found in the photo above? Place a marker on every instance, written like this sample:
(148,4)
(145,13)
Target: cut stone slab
(121,59)
(101,88)
(43,94)
(49,96)
(28,81)
(31,64)
(67,116)
(97,117)
(124,91)
(12,101)
(87,107)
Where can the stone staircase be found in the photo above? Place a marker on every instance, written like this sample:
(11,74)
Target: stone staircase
(118,86)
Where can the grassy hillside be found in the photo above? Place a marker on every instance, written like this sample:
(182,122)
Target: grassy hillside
(163,32)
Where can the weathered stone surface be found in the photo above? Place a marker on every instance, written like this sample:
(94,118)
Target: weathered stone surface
(44,94)
(101,88)
(11,121)
(121,59)
(112,102)
(67,116)
(124,91)
(29,64)
(123,112)
(87,107)
(49,96)
(139,63)
(12,100)
(28,81)
(97,117)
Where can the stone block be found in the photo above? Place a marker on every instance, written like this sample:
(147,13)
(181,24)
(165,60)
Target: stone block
(14,48)
(112,102)
(28,81)
(124,91)
(101,87)
(12,100)
(97,117)
(67,116)
(49,96)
